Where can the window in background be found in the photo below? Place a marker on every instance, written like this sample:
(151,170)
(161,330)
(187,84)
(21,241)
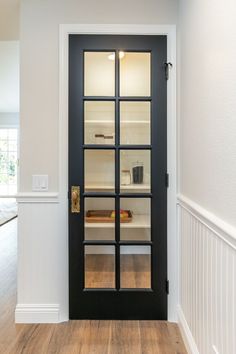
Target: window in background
(8,161)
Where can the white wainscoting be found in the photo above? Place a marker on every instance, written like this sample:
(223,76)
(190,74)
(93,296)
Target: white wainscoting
(207,311)
(42,294)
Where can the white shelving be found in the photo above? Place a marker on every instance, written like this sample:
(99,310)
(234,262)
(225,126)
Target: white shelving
(110,187)
(138,222)
(98,122)
(135,187)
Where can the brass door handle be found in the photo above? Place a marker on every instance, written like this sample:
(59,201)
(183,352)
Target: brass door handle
(75,199)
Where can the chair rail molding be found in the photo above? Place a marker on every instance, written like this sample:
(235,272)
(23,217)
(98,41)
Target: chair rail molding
(221,228)
(37,197)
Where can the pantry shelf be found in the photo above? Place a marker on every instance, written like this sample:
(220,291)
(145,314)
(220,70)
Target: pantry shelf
(138,222)
(110,187)
(98,122)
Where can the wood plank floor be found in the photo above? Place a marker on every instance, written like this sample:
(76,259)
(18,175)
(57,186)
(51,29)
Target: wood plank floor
(74,337)
(135,271)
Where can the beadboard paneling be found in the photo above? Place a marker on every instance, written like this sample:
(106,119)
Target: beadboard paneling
(207,282)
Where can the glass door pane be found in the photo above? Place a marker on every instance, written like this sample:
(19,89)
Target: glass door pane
(135,123)
(135,269)
(99,122)
(138,227)
(99,170)
(99,74)
(99,219)
(135,74)
(99,266)
(136,165)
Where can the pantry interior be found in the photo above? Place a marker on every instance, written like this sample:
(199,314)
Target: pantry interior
(134,129)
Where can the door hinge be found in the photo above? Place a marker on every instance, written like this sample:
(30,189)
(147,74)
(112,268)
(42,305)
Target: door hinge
(167,180)
(167,287)
(167,69)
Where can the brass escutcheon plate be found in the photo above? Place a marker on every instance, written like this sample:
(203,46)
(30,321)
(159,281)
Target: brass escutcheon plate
(75,199)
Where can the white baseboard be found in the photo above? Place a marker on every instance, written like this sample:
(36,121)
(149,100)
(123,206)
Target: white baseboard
(37,313)
(186,333)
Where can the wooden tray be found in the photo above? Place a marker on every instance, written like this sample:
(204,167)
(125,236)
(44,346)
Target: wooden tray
(100,216)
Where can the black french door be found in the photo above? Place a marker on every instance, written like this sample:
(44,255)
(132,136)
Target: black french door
(117,177)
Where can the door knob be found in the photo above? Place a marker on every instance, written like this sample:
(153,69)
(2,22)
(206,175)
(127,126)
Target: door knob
(75,199)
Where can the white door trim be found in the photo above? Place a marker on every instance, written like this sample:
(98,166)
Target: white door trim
(125,29)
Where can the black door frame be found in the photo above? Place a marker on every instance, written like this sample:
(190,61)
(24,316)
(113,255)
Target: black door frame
(163,315)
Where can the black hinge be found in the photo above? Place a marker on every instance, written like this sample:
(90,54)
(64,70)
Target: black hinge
(167,180)
(167,287)
(167,69)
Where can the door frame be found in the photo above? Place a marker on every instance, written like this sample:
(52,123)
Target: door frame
(172,234)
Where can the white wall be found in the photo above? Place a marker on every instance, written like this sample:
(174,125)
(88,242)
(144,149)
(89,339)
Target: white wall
(39,68)
(207,126)
(42,260)
(9,20)
(208,105)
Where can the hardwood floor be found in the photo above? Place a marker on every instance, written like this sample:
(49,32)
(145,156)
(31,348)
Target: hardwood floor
(100,271)
(74,337)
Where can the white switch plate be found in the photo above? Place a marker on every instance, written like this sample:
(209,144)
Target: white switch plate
(39,183)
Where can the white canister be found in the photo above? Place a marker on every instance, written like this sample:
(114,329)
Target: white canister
(125,177)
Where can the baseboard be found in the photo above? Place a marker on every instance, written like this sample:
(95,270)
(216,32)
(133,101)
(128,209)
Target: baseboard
(37,313)
(186,333)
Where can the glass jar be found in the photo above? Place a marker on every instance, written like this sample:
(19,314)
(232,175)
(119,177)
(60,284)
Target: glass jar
(137,172)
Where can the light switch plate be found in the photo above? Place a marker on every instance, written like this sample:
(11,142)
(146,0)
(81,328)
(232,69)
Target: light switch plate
(40,183)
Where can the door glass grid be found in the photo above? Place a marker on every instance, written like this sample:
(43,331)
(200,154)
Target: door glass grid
(135,265)
(99,170)
(135,74)
(99,267)
(129,124)
(99,74)
(99,221)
